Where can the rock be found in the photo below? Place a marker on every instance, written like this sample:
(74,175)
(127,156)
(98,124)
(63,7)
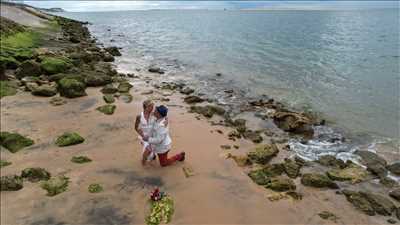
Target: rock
(56,101)
(46,90)
(57,77)
(398,213)
(28,68)
(192,99)
(300,160)
(126,97)
(294,123)
(95,188)
(80,159)
(388,182)
(55,185)
(391,221)
(254,136)
(107,109)
(241,160)
(156,69)
(109,89)
(326,215)
(233,135)
(379,203)
(114,51)
(394,168)
(30,79)
(4,163)
(332,161)
(14,141)
(187,91)
(11,183)
(295,195)
(208,110)
(95,80)
(71,88)
(9,62)
(31,86)
(281,184)
(35,174)
(318,181)
(69,138)
(354,173)
(108,98)
(377,169)
(124,87)
(395,194)
(259,177)
(273,170)
(225,147)
(105,68)
(359,202)
(52,65)
(108,58)
(148,92)
(292,169)
(371,159)
(263,153)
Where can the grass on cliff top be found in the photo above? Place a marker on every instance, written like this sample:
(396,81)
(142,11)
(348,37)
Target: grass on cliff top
(27,39)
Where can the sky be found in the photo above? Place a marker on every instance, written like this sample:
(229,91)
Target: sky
(84,6)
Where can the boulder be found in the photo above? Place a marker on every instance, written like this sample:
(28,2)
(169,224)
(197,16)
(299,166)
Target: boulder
(35,174)
(126,97)
(107,109)
(273,170)
(108,58)
(80,159)
(124,87)
(28,68)
(14,141)
(371,158)
(192,99)
(294,122)
(354,173)
(331,161)
(388,182)
(394,168)
(11,183)
(46,90)
(281,184)
(53,65)
(233,135)
(156,69)
(359,202)
(379,203)
(263,153)
(69,138)
(57,77)
(95,80)
(105,68)
(292,169)
(109,98)
(114,51)
(395,194)
(56,101)
(259,177)
(208,110)
(318,181)
(71,88)
(55,185)
(254,136)
(187,91)
(30,79)
(9,62)
(109,89)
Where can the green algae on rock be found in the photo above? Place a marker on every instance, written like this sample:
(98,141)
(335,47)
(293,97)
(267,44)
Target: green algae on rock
(95,80)
(11,183)
(28,68)
(46,90)
(55,185)
(71,88)
(4,163)
(109,89)
(281,184)
(355,174)
(80,159)
(7,89)
(53,65)
(330,160)
(318,181)
(69,138)
(263,153)
(35,174)
(95,188)
(124,87)
(109,98)
(107,109)
(161,211)
(126,97)
(259,177)
(14,141)
(292,169)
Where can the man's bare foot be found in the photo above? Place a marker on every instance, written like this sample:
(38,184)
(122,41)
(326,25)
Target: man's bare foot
(182,157)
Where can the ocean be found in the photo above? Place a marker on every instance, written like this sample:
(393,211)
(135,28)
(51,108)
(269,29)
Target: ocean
(342,64)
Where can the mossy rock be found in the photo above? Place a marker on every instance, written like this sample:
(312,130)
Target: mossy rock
(281,184)
(71,88)
(95,80)
(45,90)
(359,202)
(7,89)
(9,62)
(11,183)
(14,141)
(109,98)
(126,97)
(381,204)
(53,65)
(124,87)
(259,177)
(35,174)
(330,160)
(55,185)
(254,136)
(109,89)
(80,159)
(107,109)
(69,138)
(23,54)
(208,110)
(57,77)
(355,174)
(28,68)
(263,153)
(273,170)
(4,163)
(318,181)
(95,188)
(292,169)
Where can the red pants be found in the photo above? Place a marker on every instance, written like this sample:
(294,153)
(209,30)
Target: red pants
(165,161)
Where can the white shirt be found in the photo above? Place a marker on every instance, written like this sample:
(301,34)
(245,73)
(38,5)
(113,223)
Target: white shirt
(146,125)
(159,139)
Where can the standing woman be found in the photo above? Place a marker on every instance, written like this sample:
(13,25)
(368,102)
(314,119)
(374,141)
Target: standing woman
(143,126)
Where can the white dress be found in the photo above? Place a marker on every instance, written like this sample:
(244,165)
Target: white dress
(146,126)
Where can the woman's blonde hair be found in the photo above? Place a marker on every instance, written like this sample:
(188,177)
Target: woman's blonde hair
(147,103)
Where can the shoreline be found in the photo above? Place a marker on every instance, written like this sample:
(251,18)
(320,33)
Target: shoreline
(218,182)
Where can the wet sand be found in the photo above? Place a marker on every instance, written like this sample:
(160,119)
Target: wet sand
(220,192)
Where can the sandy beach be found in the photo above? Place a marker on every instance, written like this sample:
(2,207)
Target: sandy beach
(219,192)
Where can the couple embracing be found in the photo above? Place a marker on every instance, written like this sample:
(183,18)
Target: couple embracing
(152,127)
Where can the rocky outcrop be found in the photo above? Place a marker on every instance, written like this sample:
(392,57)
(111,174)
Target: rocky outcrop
(107,109)
(114,51)
(359,202)
(71,88)
(259,177)
(263,153)
(253,136)
(35,174)
(28,68)
(11,183)
(187,91)
(294,122)
(69,138)
(156,69)
(95,80)
(109,89)
(395,194)
(318,181)
(95,188)
(375,164)
(192,99)
(14,141)
(331,161)
(53,65)
(354,173)
(394,168)
(370,203)
(292,169)
(45,90)
(208,110)
(281,184)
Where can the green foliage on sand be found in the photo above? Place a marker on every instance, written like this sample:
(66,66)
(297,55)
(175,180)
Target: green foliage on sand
(55,185)
(69,138)
(161,211)
(95,188)
(14,141)
(28,39)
